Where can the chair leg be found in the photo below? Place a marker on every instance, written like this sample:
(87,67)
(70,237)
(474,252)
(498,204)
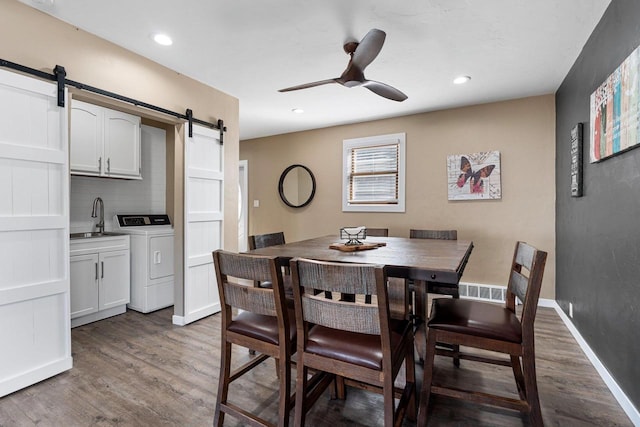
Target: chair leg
(388,403)
(420,312)
(427,379)
(410,377)
(223,382)
(531,387)
(301,387)
(456,348)
(284,374)
(340,388)
(517,374)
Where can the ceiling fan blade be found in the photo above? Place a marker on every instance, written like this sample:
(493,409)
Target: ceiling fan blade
(384,90)
(368,48)
(307,85)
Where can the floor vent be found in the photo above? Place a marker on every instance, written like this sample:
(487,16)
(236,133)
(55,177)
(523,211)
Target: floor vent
(482,292)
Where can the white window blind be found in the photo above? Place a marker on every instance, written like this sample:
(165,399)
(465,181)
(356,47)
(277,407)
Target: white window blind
(373,174)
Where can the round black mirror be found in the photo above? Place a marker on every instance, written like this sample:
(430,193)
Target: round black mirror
(297,186)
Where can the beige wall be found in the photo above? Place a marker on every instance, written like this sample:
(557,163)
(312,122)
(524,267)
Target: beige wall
(34,39)
(522,130)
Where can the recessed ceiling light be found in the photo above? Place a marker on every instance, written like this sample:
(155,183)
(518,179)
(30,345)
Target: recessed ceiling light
(461,80)
(298,110)
(163,39)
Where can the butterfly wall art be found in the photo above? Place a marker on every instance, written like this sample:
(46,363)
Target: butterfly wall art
(474,176)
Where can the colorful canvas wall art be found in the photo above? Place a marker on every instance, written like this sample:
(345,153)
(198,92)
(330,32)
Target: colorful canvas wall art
(615,111)
(474,176)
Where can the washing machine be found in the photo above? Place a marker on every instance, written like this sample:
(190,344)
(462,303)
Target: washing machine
(152,261)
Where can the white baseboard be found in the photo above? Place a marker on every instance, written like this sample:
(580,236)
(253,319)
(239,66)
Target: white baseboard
(620,396)
(196,314)
(178,320)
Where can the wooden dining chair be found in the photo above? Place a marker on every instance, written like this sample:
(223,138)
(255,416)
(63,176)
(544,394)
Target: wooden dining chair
(258,241)
(420,297)
(264,325)
(396,286)
(353,340)
(489,326)
(377,232)
(436,287)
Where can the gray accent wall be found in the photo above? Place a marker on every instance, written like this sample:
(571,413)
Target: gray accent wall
(598,235)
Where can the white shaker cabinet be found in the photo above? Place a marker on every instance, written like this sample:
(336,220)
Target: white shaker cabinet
(104,142)
(84,284)
(114,287)
(100,278)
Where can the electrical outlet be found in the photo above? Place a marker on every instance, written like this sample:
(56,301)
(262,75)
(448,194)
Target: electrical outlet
(571,310)
(256,203)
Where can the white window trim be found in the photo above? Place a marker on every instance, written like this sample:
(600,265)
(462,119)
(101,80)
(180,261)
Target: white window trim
(347,145)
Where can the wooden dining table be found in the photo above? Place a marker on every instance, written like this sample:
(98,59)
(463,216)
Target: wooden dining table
(422,260)
(419,259)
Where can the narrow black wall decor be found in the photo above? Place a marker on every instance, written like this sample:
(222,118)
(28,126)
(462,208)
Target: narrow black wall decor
(576,161)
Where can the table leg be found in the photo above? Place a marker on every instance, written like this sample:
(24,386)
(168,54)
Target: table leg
(420,313)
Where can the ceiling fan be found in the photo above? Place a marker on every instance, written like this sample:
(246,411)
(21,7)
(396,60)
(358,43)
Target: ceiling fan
(362,54)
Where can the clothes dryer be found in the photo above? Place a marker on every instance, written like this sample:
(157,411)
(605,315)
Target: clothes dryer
(152,260)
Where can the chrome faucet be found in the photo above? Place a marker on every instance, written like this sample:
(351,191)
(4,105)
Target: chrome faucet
(94,213)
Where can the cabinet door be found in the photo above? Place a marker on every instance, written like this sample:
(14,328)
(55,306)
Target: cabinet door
(86,138)
(115,279)
(121,144)
(84,284)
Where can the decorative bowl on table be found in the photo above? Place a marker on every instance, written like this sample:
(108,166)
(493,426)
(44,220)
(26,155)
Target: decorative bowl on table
(353,235)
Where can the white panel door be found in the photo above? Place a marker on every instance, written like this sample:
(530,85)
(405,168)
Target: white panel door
(203,193)
(35,329)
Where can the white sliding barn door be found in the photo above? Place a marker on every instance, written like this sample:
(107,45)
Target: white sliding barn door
(204,195)
(35,327)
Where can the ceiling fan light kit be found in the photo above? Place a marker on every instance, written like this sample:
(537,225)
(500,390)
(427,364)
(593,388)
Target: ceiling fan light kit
(362,54)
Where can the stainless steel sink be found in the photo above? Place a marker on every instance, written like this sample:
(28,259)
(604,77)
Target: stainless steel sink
(93,234)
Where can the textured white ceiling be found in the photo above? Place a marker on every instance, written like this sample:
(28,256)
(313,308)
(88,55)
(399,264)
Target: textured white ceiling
(251,48)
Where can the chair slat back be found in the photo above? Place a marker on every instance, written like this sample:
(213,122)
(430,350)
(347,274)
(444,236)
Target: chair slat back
(256,300)
(336,277)
(519,285)
(524,255)
(434,234)
(264,240)
(525,281)
(250,268)
(348,316)
(315,280)
(377,232)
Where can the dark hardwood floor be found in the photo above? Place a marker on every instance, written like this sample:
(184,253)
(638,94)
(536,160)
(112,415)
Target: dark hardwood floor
(140,370)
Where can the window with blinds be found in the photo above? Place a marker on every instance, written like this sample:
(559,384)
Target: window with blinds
(374,174)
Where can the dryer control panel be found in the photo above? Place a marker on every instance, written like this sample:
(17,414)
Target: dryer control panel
(137,220)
